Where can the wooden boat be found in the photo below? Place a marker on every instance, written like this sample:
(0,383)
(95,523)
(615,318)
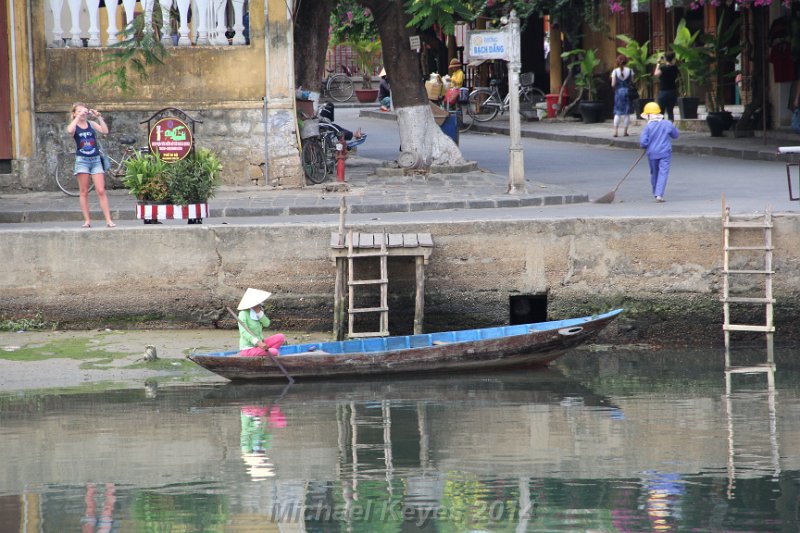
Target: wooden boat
(473,349)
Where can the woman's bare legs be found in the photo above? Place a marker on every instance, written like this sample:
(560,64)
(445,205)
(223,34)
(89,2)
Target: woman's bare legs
(83,186)
(99,181)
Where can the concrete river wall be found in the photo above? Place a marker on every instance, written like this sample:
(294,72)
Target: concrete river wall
(664,271)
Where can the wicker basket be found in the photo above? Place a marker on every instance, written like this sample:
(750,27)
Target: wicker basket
(310,128)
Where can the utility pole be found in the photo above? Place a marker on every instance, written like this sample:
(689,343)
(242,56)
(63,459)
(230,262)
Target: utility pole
(516,162)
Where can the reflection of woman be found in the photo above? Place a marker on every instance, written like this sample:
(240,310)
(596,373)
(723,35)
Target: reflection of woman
(87,159)
(106,521)
(252,323)
(255,440)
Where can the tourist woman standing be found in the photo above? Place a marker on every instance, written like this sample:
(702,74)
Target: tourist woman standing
(622,81)
(88,165)
(667,74)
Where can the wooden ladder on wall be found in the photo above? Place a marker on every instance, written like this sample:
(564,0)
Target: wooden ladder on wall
(378,250)
(744,229)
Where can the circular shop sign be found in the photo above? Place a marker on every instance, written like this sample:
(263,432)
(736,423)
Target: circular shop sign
(171,139)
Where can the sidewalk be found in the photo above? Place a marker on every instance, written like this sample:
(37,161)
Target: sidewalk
(368,193)
(691,140)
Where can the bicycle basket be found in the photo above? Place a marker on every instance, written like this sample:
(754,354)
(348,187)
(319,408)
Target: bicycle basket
(526,78)
(310,128)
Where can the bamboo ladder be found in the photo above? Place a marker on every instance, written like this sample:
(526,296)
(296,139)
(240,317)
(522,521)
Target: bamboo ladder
(744,228)
(372,251)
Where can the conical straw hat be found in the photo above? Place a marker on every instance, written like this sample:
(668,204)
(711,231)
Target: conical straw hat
(253,297)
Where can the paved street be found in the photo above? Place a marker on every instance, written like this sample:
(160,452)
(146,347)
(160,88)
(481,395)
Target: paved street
(562,177)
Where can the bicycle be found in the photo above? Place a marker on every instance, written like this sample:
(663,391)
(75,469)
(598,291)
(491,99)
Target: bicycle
(463,117)
(338,86)
(65,163)
(319,151)
(485,104)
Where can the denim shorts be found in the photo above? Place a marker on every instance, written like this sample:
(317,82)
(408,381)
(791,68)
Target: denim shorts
(88,164)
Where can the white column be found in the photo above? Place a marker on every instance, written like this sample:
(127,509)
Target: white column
(56,7)
(183,29)
(238,23)
(166,22)
(130,6)
(75,16)
(201,11)
(516,161)
(212,21)
(148,6)
(220,8)
(93,7)
(111,13)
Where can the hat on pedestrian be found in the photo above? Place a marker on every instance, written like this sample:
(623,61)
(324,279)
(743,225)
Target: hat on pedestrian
(454,63)
(651,108)
(383,72)
(253,297)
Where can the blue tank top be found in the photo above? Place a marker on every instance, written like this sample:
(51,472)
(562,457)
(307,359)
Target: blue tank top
(85,141)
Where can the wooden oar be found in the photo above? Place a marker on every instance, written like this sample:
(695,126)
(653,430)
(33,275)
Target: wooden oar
(285,373)
(608,197)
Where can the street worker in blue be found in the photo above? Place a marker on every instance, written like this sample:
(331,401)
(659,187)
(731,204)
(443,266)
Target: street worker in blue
(656,140)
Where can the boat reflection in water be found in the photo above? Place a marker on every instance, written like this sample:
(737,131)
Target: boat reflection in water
(626,442)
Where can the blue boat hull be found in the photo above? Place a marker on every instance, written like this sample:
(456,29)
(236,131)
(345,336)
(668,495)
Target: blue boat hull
(476,349)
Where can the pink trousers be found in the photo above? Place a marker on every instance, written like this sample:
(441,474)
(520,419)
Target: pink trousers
(273,343)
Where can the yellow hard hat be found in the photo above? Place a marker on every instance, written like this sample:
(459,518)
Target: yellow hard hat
(651,108)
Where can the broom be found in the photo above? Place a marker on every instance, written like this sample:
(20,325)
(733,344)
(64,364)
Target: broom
(608,197)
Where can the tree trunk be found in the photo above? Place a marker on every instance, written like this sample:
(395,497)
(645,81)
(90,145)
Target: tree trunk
(311,20)
(419,134)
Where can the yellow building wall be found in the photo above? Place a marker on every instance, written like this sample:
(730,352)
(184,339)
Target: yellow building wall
(191,76)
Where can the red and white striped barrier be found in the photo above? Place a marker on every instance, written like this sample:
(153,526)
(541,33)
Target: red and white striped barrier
(169,211)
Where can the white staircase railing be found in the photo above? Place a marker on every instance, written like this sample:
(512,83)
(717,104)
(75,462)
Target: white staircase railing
(90,25)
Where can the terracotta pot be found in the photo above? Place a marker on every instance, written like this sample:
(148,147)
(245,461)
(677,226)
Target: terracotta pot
(366,95)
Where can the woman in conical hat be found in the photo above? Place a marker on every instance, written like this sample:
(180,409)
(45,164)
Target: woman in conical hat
(251,317)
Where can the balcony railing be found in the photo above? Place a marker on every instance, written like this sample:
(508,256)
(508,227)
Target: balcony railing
(94,23)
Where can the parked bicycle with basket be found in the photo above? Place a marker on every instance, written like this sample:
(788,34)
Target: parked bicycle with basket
(486,103)
(65,162)
(321,142)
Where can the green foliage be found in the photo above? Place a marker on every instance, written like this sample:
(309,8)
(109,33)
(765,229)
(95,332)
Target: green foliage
(705,64)
(640,61)
(192,180)
(145,177)
(139,49)
(720,49)
(368,57)
(426,14)
(26,323)
(691,63)
(585,61)
(351,22)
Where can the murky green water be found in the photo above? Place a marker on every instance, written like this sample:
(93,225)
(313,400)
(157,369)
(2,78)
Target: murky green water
(610,442)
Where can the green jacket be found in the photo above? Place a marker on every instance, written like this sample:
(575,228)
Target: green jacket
(256,326)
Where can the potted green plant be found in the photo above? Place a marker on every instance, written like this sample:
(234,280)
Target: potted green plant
(640,62)
(692,66)
(368,56)
(720,51)
(585,62)
(173,190)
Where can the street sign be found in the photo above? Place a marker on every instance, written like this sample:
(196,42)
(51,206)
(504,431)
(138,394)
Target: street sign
(171,139)
(492,44)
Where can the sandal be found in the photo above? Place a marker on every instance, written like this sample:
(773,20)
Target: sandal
(87,225)
(111,225)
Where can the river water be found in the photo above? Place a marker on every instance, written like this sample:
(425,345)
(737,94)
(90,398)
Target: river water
(608,441)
